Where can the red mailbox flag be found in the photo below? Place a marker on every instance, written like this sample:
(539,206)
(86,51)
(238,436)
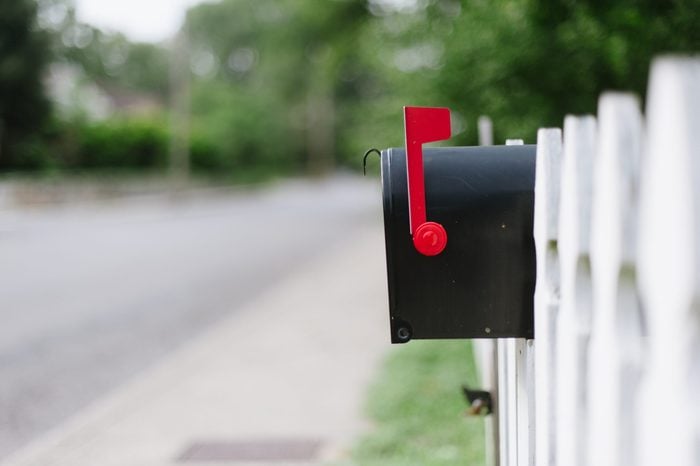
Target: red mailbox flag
(423,125)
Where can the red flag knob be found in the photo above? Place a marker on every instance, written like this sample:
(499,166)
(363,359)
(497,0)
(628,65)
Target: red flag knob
(430,238)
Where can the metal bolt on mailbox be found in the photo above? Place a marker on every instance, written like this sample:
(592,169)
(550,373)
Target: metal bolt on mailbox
(458,228)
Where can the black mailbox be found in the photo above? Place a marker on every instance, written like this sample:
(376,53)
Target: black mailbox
(459,244)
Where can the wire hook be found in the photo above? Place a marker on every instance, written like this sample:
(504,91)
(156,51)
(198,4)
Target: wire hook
(364,159)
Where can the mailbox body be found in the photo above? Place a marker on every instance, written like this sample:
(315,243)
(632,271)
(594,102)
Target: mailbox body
(482,284)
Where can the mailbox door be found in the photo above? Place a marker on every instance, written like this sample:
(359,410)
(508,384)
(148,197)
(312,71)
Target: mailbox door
(482,284)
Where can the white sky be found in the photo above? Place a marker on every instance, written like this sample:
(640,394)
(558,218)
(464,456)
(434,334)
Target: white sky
(140,20)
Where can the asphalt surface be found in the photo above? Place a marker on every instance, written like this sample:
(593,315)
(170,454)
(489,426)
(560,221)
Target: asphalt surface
(92,295)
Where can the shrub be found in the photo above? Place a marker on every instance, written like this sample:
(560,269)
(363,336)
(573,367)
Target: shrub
(206,157)
(131,144)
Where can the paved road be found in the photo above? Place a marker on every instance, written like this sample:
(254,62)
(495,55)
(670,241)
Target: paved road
(90,296)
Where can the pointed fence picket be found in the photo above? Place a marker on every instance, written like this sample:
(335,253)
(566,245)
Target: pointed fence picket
(669,267)
(546,228)
(615,346)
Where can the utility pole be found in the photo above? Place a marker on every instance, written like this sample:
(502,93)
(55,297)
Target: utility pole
(180,95)
(320,114)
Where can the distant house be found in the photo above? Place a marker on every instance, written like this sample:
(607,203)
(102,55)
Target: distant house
(76,95)
(133,103)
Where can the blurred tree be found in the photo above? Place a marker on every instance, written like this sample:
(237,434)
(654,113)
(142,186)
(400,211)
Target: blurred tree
(24,54)
(280,85)
(597,45)
(112,60)
(106,58)
(527,63)
(283,62)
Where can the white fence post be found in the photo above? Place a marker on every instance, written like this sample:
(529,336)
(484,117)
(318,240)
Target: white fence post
(515,401)
(507,402)
(486,358)
(548,172)
(516,396)
(669,266)
(486,349)
(615,357)
(525,368)
(573,325)
(485,128)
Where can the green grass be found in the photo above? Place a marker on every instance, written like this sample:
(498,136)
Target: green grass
(418,409)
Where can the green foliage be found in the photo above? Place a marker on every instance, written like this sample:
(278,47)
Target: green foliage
(115,145)
(527,63)
(292,85)
(105,57)
(114,62)
(248,131)
(138,145)
(122,144)
(31,153)
(205,157)
(272,96)
(23,107)
(418,409)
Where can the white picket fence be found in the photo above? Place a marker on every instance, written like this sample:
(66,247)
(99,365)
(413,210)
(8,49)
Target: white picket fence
(613,375)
